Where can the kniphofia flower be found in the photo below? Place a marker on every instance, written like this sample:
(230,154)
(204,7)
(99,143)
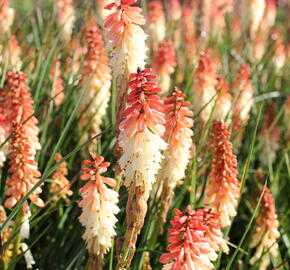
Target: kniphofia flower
(127,45)
(96,76)
(141,142)
(204,88)
(65,18)
(194,239)
(223,188)
(156,23)
(252,12)
(6,17)
(99,207)
(266,233)
(279,57)
(24,143)
(224,101)
(243,93)
(126,37)
(57,87)
(164,63)
(102,12)
(60,185)
(269,141)
(178,134)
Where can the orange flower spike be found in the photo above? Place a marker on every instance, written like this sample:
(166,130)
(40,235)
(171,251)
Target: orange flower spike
(24,142)
(270,137)
(204,88)
(191,246)
(7,15)
(65,18)
(178,134)
(96,75)
(99,207)
(267,233)
(243,96)
(126,38)
(223,188)
(58,88)
(164,63)
(156,22)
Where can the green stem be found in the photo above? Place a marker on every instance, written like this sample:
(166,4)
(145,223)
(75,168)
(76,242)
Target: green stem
(16,244)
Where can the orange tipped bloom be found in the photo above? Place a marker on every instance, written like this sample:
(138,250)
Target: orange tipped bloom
(126,37)
(269,141)
(99,206)
(178,134)
(252,12)
(57,88)
(65,18)
(266,234)
(279,58)
(96,76)
(142,131)
(164,63)
(224,100)
(60,185)
(6,17)
(194,239)
(156,22)
(188,32)
(204,89)
(24,143)
(243,96)
(223,188)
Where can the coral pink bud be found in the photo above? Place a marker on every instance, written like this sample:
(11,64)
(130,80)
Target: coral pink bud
(279,50)
(223,188)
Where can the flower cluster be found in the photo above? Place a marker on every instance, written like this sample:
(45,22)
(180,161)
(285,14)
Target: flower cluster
(156,23)
(269,137)
(126,37)
(96,76)
(24,142)
(195,238)
(6,17)
(178,134)
(266,234)
(223,188)
(99,206)
(141,131)
(164,63)
(65,18)
(57,88)
(252,12)
(204,89)
(60,186)
(243,92)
